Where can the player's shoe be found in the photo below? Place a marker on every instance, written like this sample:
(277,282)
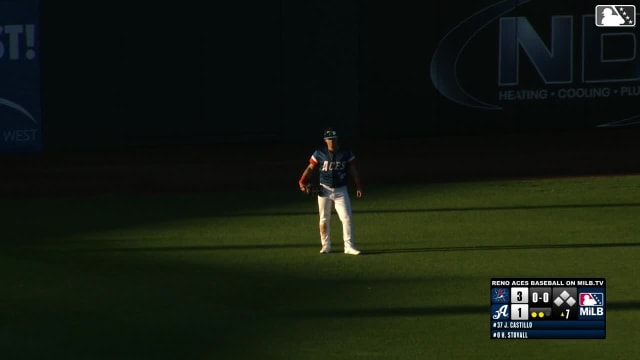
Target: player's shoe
(325,249)
(351,251)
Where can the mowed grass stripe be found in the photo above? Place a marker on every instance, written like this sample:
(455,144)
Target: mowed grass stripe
(238,275)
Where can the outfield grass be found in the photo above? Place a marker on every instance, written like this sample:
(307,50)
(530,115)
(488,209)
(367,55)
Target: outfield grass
(238,275)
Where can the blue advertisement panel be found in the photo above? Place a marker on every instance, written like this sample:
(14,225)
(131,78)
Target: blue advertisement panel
(20,112)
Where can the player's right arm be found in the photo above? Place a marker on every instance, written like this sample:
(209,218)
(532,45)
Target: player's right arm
(305,175)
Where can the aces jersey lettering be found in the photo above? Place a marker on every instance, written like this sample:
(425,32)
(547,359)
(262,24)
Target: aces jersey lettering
(333,166)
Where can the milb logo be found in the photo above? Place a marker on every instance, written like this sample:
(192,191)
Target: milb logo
(591,304)
(615,15)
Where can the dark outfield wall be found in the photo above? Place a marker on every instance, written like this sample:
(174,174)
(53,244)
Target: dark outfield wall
(495,66)
(279,70)
(230,71)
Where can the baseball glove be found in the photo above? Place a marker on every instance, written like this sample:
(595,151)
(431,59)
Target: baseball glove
(313,189)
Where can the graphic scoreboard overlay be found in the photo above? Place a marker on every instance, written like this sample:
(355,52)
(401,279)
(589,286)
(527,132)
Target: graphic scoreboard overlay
(548,308)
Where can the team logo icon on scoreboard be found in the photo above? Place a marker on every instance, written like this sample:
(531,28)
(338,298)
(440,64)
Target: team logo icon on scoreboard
(500,295)
(500,312)
(615,15)
(542,308)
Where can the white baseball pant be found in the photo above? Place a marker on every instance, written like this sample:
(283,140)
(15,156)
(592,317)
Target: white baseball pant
(338,197)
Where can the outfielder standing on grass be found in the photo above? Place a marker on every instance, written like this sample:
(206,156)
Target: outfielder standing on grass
(335,165)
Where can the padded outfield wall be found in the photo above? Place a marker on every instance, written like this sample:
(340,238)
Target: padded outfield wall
(197,72)
(278,71)
(496,66)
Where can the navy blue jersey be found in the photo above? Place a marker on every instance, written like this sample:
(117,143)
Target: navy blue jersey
(333,167)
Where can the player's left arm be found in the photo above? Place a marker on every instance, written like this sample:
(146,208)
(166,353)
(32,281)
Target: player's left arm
(353,170)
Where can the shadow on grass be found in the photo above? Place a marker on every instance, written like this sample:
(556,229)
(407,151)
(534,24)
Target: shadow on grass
(202,248)
(499,247)
(429,311)
(364,252)
(169,308)
(447,209)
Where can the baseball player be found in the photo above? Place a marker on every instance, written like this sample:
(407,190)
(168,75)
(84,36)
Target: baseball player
(335,165)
